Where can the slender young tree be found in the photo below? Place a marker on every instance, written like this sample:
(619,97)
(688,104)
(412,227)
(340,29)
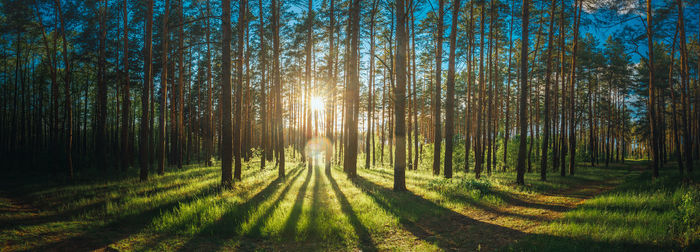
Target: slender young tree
(449,114)
(523,94)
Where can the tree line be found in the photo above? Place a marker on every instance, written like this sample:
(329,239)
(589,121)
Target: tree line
(528,85)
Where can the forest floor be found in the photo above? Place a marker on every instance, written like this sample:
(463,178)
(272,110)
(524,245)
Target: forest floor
(618,207)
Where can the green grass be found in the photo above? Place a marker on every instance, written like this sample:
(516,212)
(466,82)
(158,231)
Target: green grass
(318,210)
(641,215)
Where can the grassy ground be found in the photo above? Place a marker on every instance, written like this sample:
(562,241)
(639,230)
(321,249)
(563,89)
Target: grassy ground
(319,210)
(641,214)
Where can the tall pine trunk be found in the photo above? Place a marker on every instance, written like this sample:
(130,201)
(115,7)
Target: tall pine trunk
(400,98)
(437,97)
(449,120)
(523,95)
(225,106)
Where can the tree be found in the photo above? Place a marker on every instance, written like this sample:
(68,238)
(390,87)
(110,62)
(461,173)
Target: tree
(352,91)
(237,132)
(126,99)
(547,79)
(180,103)
(400,98)
(101,104)
(278,86)
(147,83)
(370,98)
(331,87)
(685,91)
(523,95)
(68,104)
(263,98)
(449,114)
(572,95)
(309,45)
(438,86)
(225,106)
(164,91)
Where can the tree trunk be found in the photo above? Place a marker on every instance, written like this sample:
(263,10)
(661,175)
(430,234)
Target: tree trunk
(225,107)
(352,111)
(437,96)
(126,95)
(144,135)
(330,104)
(164,91)
(545,138)
(449,120)
(400,98)
(263,98)
(572,97)
(370,98)
(101,130)
(523,95)
(685,91)
(237,131)
(278,86)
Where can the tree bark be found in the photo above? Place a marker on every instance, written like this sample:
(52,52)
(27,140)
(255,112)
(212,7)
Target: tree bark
(400,98)
(449,120)
(438,85)
(523,95)
(225,107)
(144,135)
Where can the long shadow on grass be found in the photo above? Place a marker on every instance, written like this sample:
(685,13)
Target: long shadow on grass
(255,230)
(97,205)
(124,226)
(120,228)
(293,218)
(228,225)
(366,242)
(436,224)
(457,197)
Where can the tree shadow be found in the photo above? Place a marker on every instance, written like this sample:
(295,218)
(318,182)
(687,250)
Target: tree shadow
(255,230)
(91,209)
(457,197)
(236,216)
(366,242)
(436,224)
(120,228)
(293,218)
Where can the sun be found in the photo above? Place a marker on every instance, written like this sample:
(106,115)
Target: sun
(317,103)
